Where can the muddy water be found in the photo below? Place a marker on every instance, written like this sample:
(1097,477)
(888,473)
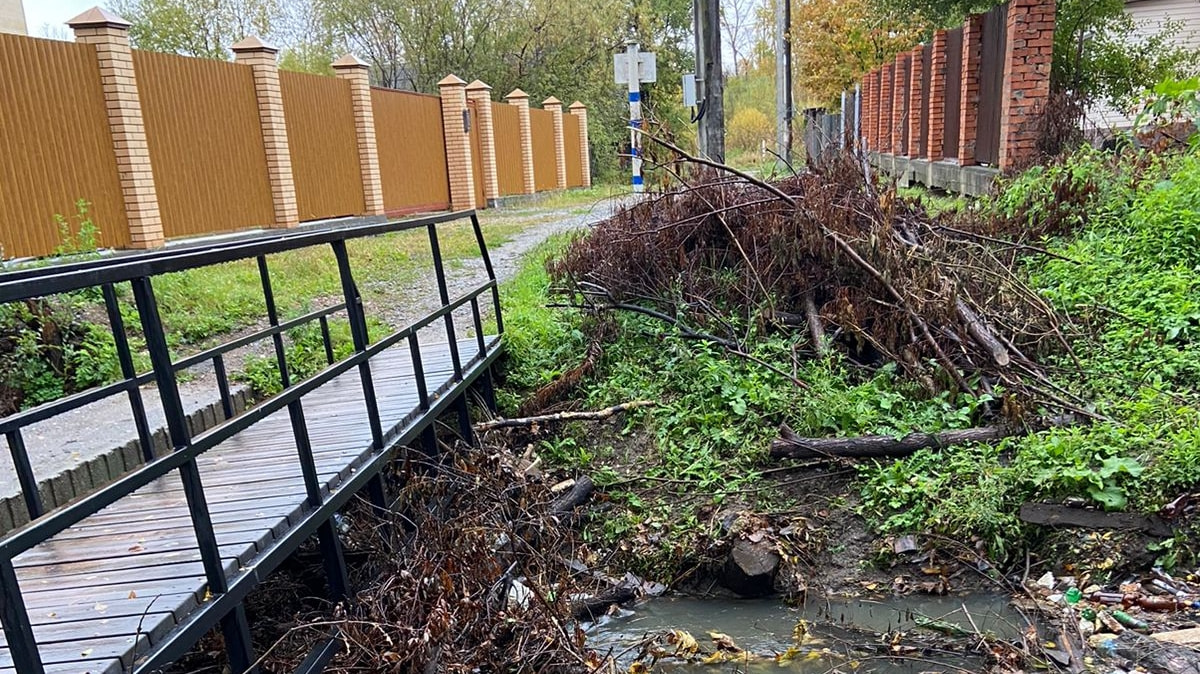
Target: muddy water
(839,631)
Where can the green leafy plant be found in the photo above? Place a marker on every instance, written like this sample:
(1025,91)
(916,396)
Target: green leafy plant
(78,235)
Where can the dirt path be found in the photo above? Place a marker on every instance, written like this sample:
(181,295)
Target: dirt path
(75,438)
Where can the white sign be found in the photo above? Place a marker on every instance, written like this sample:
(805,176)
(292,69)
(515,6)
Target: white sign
(647,67)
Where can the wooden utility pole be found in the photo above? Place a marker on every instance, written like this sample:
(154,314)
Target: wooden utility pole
(710,79)
(783,79)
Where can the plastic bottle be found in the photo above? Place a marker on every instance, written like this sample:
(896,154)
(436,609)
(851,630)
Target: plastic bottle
(1073,595)
(1159,603)
(1129,621)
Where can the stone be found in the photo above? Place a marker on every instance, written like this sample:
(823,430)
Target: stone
(751,568)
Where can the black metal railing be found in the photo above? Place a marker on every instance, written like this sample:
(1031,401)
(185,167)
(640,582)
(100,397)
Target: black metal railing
(138,271)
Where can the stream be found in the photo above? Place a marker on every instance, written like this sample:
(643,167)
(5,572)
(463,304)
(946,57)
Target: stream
(839,632)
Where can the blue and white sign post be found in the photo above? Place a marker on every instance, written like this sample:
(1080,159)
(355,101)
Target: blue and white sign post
(634,67)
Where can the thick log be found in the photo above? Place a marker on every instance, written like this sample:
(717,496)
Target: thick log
(574,498)
(587,610)
(1056,515)
(791,446)
(1158,657)
(981,334)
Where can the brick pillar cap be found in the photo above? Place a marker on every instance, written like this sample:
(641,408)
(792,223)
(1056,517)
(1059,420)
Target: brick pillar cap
(98,17)
(551,102)
(253,44)
(349,62)
(516,94)
(479,85)
(452,80)
(577,106)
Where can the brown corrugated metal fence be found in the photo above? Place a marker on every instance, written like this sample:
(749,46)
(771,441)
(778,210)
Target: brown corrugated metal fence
(573,151)
(206,146)
(476,155)
(55,146)
(412,156)
(953,105)
(991,85)
(506,125)
(323,145)
(545,176)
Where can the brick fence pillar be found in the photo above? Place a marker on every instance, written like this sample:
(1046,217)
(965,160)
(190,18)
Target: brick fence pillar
(876,113)
(560,147)
(481,94)
(520,100)
(355,71)
(458,143)
(261,59)
(1027,57)
(585,151)
(109,34)
(937,98)
(899,102)
(916,92)
(972,64)
(886,83)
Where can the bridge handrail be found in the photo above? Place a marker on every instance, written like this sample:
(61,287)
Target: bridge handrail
(138,270)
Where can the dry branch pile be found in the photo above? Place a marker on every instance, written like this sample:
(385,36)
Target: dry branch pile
(831,255)
(471,578)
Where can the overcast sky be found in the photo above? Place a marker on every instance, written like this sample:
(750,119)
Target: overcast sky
(48,18)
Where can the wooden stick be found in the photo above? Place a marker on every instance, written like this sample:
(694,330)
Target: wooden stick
(597,415)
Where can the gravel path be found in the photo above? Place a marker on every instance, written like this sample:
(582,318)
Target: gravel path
(75,438)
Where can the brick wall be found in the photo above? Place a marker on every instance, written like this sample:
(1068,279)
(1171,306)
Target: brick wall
(937,98)
(972,55)
(916,75)
(887,79)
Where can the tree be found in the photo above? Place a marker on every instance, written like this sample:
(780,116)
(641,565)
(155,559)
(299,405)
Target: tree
(835,43)
(204,28)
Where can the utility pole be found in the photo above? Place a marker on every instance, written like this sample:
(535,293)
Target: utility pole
(710,78)
(632,67)
(784,109)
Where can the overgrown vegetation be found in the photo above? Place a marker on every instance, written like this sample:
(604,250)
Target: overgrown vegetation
(1108,242)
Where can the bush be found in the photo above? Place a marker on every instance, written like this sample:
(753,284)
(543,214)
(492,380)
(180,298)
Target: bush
(749,128)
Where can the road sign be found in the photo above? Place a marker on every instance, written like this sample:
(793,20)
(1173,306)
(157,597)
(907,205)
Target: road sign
(647,67)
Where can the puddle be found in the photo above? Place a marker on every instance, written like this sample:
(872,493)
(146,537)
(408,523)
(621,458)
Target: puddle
(849,629)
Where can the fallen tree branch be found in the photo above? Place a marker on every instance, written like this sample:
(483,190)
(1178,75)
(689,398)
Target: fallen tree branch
(791,446)
(814,324)
(597,415)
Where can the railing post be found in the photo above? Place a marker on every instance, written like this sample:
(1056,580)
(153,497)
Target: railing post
(136,405)
(1027,57)
(455,121)
(554,106)
(109,34)
(355,71)
(972,55)
(481,94)
(234,627)
(520,100)
(18,631)
(261,59)
(585,151)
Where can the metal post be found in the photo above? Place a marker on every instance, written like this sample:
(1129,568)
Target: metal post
(25,476)
(136,405)
(234,627)
(18,630)
(444,294)
(635,117)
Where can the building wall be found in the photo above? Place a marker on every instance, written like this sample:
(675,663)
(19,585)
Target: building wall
(1150,15)
(12,17)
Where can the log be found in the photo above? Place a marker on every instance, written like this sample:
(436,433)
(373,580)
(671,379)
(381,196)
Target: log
(1057,515)
(587,610)
(814,323)
(1159,657)
(574,498)
(597,415)
(791,446)
(981,334)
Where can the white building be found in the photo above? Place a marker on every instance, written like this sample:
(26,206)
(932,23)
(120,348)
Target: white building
(1151,16)
(12,17)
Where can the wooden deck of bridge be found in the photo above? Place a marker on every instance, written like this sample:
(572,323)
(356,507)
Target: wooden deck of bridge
(104,592)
